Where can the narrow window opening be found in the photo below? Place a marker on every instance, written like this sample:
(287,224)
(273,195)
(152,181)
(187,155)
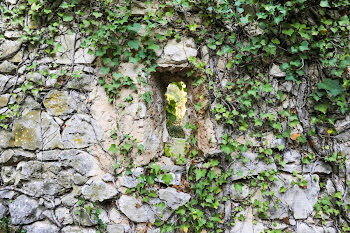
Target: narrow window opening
(175,109)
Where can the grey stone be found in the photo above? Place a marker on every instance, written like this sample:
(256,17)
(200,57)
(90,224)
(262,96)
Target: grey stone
(300,200)
(99,191)
(291,156)
(65,55)
(13,34)
(41,227)
(7,194)
(79,179)
(82,56)
(51,132)
(161,213)
(4,99)
(81,161)
(43,187)
(9,47)
(82,83)
(252,167)
(238,195)
(310,228)
(290,168)
(80,132)
(78,229)
(9,175)
(6,138)
(24,210)
(69,199)
(10,156)
(63,216)
(81,217)
(108,177)
(59,103)
(135,210)
(320,167)
(50,155)
(173,198)
(115,228)
(7,67)
(129,181)
(3,210)
(27,133)
(276,72)
(178,52)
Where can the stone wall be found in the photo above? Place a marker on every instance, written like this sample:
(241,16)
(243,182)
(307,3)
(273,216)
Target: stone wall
(57,170)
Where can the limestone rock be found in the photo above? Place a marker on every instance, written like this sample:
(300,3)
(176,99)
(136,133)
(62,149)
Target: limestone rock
(78,229)
(81,161)
(276,72)
(3,210)
(115,228)
(310,228)
(4,99)
(80,132)
(82,83)
(238,195)
(178,52)
(43,187)
(5,139)
(99,191)
(135,210)
(27,133)
(82,56)
(59,103)
(9,47)
(300,200)
(248,225)
(291,156)
(24,210)
(252,167)
(41,227)
(173,198)
(64,216)
(14,156)
(7,67)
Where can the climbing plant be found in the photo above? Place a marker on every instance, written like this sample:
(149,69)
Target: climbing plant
(308,41)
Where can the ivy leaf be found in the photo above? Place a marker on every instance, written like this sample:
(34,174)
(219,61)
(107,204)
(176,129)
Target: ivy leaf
(67,18)
(135,27)
(238,187)
(97,14)
(288,32)
(152,45)
(200,173)
(304,46)
(134,44)
(105,70)
(32,1)
(332,86)
(167,178)
(113,148)
(324,3)
(322,107)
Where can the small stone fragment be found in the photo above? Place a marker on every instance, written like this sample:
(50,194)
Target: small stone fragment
(173,198)
(135,210)
(99,191)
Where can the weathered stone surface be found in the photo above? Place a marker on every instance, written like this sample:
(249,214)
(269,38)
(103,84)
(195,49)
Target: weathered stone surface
(82,56)
(99,191)
(310,228)
(82,218)
(59,103)
(24,210)
(300,200)
(248,225)
(135,210)
(80,132)
(69,199)
(7,67)
(14,156)
(291,156)
(252,167)
(173,198)
(178,52)
(63,215)
(27,131)
(43,187)
(238,195)
(13,34)
(115,228)
(3,210)
(4,99)
(161,213)
(276,72)
(41,227)
(5,138)
(81,161)
(78,229)
(82,83)
(9,47)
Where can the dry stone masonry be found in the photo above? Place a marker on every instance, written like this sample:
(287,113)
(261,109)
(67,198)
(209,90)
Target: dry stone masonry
(57,173)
